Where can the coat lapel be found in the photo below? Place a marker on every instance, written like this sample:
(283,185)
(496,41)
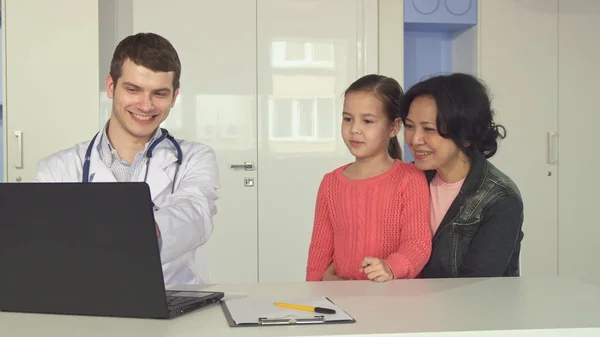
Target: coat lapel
(98,171)
(160,171)
(102,174)
(473,181)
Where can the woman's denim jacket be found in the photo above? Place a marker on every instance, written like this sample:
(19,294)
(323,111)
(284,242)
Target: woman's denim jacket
(480,235)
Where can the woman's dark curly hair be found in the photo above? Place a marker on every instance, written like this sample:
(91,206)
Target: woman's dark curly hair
(464,112)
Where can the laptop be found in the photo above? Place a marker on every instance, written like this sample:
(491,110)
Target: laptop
(85,249)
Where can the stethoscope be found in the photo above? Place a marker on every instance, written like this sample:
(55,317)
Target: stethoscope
(165,134)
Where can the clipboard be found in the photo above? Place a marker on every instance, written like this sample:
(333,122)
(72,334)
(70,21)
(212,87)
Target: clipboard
(246,312)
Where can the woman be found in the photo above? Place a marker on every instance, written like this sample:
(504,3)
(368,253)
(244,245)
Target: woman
(476,210)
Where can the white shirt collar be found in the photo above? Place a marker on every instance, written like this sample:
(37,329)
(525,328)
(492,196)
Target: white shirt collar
(107,152)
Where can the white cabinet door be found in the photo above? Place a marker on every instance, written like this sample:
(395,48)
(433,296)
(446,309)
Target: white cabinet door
(216,42)
(517,59)
(51,79)
(308,54)
(578,184)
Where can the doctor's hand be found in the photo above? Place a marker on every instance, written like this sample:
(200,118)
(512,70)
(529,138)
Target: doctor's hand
(330,274)
(376,269)
(157,230)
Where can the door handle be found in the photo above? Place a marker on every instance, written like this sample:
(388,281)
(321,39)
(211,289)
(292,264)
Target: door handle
(19,136)
(248,166)
(552,155)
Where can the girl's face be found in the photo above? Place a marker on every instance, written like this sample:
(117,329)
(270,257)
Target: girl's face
(366,129)
(430,150)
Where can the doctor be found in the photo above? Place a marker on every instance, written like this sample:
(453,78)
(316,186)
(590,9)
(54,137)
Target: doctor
(183,177)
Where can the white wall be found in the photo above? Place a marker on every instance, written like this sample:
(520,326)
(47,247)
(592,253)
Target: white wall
(50,97)
(578,120)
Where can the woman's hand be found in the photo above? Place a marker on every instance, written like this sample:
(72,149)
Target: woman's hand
(376,269)
(330,274)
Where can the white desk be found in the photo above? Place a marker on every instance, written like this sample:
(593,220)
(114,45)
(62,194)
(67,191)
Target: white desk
(412,308)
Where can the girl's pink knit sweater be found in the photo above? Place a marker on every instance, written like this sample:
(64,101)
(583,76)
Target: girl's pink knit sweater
(386,216)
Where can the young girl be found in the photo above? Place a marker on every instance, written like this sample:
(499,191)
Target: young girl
(476,211)
(372,216)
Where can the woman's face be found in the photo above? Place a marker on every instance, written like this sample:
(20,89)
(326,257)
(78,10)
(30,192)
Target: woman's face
(430,150)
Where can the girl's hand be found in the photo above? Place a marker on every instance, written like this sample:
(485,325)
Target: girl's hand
(376,269)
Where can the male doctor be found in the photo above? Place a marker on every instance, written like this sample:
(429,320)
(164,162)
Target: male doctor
(143,84)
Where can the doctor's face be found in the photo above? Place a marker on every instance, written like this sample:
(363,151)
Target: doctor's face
(141,98)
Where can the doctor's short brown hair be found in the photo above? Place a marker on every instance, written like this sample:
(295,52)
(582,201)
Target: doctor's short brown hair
(149,50)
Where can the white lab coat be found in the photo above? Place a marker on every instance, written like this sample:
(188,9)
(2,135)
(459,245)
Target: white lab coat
(184,218)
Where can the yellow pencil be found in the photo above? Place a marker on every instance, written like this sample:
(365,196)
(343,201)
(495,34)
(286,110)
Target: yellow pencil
(305,308)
